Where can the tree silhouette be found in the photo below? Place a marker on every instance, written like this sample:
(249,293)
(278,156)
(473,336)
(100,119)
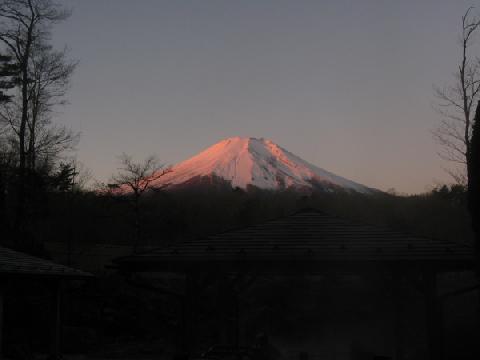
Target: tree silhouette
(473,194)
(133,180)
(24,29)
(456,102)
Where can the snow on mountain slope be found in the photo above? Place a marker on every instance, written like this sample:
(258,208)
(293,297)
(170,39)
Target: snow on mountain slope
(257,162)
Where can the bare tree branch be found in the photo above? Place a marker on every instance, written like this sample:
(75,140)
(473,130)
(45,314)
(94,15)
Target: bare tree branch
(455,102)
(136,178)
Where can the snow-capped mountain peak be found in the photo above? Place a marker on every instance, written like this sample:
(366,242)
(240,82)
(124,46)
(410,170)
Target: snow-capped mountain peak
(257,162)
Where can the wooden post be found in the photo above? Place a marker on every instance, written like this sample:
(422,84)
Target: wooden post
(399,299)
(182,333)
(55,327)
(190,313)
(237,320)
(433,317)
(1,324)
(228,312)
(222,310)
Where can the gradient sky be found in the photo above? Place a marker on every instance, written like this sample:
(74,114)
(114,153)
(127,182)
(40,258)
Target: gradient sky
(346,85)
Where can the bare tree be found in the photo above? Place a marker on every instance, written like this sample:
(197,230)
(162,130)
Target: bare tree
(50,74)
(134,179)
(456,102)
(24,28)
(473,193)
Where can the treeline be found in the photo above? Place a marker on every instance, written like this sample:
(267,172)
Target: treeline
(170,216)
(34,149)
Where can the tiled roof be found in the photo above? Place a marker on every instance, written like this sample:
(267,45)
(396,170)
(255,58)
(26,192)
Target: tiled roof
(311,237)
(14,263)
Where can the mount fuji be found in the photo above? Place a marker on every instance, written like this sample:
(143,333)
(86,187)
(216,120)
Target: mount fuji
(260,163)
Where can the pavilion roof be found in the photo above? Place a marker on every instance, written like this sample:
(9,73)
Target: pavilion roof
(308,238)
(15,263)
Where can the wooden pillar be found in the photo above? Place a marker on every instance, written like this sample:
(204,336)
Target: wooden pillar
(228,311)
(236,322)
(222,310)
(181,346)
(55,327)
(1,324)
(190,313)
(433,317)
(399,304)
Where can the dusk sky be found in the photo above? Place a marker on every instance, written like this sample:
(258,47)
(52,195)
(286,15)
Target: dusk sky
(346,85)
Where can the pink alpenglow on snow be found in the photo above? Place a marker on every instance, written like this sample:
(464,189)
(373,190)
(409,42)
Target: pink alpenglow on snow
(257,162)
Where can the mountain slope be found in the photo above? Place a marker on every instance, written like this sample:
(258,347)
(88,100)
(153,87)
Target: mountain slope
(256,162)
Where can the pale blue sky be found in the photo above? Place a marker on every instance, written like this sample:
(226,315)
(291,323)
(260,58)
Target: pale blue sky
(346,85)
